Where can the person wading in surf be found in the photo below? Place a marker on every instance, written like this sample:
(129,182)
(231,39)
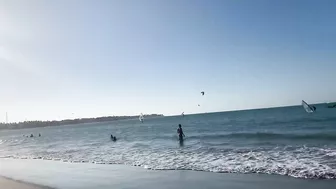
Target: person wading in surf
(180,133)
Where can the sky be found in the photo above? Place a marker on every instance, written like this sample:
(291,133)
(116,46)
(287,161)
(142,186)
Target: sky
(71,59)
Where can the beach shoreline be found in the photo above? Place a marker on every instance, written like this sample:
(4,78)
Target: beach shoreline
(64,175)
(8,183)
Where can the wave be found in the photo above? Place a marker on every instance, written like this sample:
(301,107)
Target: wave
(306,163)
(290,123)
(253,136)
(269,136)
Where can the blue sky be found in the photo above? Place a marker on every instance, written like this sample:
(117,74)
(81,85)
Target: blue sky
(71,59)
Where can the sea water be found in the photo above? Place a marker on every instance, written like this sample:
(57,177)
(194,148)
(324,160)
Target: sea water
(283,141)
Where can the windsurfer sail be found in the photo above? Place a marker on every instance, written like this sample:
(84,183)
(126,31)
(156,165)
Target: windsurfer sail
(141,117)
(307,107)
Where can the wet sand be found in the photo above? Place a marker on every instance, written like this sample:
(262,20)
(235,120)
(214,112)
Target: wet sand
(63,175)
(6,183)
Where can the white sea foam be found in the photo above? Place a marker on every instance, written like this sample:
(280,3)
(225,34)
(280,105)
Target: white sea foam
(301,163)
(267,144)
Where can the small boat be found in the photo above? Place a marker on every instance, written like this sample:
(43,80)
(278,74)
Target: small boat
(331,105)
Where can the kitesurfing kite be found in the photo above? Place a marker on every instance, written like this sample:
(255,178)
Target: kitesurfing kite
(202,95)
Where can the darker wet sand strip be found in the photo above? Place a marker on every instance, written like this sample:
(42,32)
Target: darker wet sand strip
(62,175)
(7,183)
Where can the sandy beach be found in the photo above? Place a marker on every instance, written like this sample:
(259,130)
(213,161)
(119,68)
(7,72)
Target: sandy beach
(61,175)
(7,183)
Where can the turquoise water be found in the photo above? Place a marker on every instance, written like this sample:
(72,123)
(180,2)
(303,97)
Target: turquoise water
(285,141)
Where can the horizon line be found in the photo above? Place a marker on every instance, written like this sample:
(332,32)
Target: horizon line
(173,115)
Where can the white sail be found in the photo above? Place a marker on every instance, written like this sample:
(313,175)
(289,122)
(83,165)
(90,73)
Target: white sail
(307,107)
(141,117)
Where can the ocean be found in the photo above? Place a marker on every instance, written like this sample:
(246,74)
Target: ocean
(281,141)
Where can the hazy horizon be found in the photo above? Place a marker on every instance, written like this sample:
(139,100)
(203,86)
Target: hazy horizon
(65,60)
(223,111)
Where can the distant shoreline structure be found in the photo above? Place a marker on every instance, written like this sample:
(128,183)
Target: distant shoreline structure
(35,124)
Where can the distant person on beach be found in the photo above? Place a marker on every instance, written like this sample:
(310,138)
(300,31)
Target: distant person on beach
(180,133)
(39,134)
(31,135)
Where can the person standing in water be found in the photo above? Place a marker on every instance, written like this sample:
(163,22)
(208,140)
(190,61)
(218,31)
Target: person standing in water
(180,133)
(113,138)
